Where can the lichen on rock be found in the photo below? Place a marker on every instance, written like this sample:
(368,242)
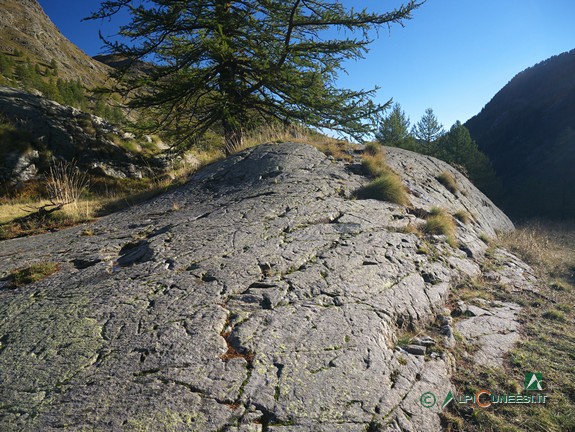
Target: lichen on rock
(270,300)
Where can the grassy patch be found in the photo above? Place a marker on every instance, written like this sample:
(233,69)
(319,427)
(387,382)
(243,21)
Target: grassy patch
(439,222)
(547,340)
(554,315)
(34,273)
(67,198)
(387,187)
(543,245)
(131,146)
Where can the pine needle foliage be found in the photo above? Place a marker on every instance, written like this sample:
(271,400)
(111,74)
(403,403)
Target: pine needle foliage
(231,65)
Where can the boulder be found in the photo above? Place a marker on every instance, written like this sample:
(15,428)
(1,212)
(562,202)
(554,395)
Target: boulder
(260,296)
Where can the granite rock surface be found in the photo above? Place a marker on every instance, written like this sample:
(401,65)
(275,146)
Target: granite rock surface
(260,296)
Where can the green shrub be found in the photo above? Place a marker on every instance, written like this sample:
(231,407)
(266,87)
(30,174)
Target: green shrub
(387,187)
(447,180)
(439,222)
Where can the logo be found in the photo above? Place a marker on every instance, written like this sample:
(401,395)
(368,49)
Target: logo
(485,398)
(448,399)
(428,399)
(533,381)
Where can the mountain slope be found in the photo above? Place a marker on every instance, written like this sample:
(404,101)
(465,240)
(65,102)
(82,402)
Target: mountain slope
(25,27)
(528,131)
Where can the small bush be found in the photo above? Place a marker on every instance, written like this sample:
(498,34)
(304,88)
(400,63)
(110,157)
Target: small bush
(447,180)
(387,187)
(439,222)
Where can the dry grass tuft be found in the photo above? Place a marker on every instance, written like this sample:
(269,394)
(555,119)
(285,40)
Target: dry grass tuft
(374,164)
(65,182)
(372,148)
(386,187)
(439,222)
(447,180)
(547,246)
(463,216)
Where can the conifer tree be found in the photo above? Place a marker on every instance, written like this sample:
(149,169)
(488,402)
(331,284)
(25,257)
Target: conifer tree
(457,147)
(428,129)
(228,64)
(394,129)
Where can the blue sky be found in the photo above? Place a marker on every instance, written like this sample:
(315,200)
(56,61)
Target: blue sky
(453,56)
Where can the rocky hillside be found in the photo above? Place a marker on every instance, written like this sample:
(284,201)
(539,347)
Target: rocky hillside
(528,132)
(26,28)
(261,296)
(34,130)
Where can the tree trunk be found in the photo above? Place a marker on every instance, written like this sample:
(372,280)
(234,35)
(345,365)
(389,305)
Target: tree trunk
(231,115)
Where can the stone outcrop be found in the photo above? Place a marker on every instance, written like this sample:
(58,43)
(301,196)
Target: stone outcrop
(65,133)
(260,296)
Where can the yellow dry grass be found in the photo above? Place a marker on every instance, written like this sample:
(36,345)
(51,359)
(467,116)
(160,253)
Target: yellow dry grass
(547,246)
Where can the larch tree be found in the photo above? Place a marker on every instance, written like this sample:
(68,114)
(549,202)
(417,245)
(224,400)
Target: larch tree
(230,64)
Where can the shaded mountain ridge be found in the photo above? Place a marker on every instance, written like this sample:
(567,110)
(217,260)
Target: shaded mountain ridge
(528,132)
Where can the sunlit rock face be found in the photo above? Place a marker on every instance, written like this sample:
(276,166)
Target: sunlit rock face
(260,296)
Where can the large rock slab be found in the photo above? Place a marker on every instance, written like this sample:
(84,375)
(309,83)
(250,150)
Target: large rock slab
(258,297)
